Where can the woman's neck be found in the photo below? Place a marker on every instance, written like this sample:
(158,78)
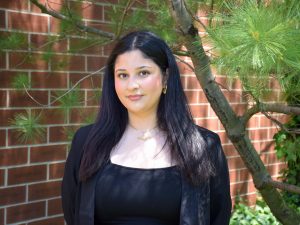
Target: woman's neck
(145,122)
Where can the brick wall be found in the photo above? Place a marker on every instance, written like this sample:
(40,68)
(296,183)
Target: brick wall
(30,174)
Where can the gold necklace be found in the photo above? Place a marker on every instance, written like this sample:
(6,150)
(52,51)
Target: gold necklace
(148,134)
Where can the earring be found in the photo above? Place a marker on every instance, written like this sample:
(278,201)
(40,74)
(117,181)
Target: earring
(165,89)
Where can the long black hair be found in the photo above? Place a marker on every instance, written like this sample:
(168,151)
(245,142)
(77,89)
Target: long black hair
(187,144)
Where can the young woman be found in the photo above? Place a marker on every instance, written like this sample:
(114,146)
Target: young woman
(144,161)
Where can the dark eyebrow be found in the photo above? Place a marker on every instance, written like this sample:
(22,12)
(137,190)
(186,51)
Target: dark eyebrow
(141,67)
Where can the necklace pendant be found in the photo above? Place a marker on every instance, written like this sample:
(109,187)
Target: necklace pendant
(147,135)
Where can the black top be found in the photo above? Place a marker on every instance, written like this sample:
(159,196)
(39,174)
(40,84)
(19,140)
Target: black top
(135,196)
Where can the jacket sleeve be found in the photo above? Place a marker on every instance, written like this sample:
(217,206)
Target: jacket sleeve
(70,183)
(220,200)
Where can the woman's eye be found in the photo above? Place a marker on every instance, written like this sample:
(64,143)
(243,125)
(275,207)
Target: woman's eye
(122,75)
(144,73)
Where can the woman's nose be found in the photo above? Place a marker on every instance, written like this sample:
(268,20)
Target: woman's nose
(133,83)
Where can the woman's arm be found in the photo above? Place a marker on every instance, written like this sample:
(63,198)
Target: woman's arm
(69,184)
(220,200)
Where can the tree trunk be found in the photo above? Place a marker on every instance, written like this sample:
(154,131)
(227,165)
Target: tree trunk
(234,127)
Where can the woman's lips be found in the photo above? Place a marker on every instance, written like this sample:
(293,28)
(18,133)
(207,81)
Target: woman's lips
(135,97)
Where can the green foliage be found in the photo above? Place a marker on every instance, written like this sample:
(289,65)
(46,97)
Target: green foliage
(245,215)
(68,100)
(73,13)
(21,81)
(28,127)
(256,41)
(12,41)
(287,148)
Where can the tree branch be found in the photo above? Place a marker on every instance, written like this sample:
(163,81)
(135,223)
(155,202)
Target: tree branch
(79,25)
(270,107)
(72,88)
(128,6)
(283,186)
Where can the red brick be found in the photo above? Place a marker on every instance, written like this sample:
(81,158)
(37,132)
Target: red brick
(230,150)
(15,156)
(259,134)
(67,62)
(7,77)
(2,216)
(192,97)
(107,49)
(236,84)
(211,124)
(25,212)
(2,19)
(44,190)
(27,174)
(43,43)
(47,153)
(95,63)
(20,60)
(3,98)
(202,97)
(58,93)
(49,80)
(93,98)
(22,99)
(223,137)
(272,132)
(193,83)
(12,195)
(54,25)
(51,221)
(183,81)
(273,169)
(15,138)
(50,116)
(91,82)
(2,177)
(184,68)
(53,4)
(245,175)
(8,114)
(37,23)
(233,176)
(235,163)
(239,108)
(253,122)
(2,62)
(79,115)
(85,47)
(272,158)
(91,11)
(58,134)
(238,189)
(16,4)
(232,96)
(56,170)
(54,207)
(222,82)
(265,122)
(199,111)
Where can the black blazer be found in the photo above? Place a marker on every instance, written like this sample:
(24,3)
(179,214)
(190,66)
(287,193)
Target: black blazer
(207,204)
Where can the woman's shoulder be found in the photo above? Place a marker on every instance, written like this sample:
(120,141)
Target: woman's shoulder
(208,135)
(79,139)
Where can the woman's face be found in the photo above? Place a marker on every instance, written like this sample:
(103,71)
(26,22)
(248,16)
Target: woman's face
(138,83)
